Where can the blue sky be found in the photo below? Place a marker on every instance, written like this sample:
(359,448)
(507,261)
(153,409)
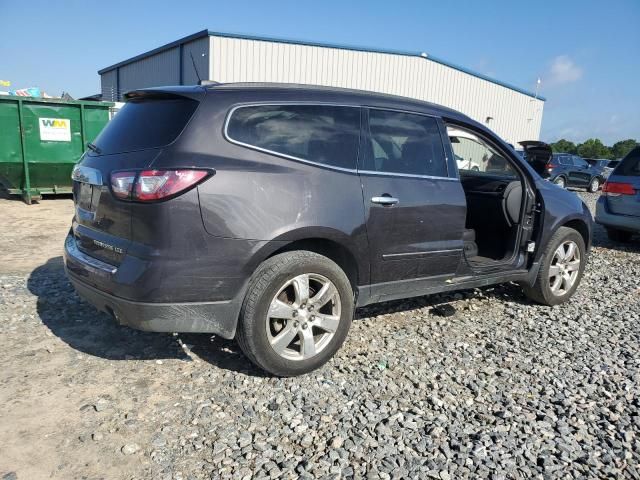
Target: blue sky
(587,53)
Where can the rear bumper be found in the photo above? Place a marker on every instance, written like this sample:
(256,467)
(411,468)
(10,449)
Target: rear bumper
(217,317)
(621,222)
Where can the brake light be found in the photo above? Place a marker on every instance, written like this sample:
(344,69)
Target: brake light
(549,167)
(618,188)
(152,185)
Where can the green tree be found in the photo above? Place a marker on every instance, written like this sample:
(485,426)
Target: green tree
(621,148)
(563,146)
(593,148)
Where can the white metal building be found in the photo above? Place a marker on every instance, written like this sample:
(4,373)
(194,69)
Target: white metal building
(513,113)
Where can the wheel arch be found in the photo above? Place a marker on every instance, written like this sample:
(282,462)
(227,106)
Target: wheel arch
(329,248)
(560,175)
(581,227)
(346,251)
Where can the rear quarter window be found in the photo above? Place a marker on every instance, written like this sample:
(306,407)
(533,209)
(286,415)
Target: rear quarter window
(146,123)
(324,134)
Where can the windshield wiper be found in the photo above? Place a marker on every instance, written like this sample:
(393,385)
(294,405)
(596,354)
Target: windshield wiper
(94,148)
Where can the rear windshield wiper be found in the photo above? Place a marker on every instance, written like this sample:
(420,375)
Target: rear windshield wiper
(94,148)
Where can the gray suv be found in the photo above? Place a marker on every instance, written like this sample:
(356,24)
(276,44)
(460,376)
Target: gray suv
(268,213)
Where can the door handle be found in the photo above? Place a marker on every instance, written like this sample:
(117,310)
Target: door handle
(385,200)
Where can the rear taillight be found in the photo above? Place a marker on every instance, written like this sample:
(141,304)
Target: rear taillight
(618,188)
(122,184)
(153,185)
(549,167)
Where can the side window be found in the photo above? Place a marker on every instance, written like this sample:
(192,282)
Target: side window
(324,134)
(405,143)
(474,154)
(579,162)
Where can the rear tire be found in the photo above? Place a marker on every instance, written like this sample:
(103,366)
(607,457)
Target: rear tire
(286,331)
(594,186)
(556,282)
(618,235)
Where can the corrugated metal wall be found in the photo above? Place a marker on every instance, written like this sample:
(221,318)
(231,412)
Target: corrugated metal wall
(515,116)
(109,86)
(200,50)
(157,70)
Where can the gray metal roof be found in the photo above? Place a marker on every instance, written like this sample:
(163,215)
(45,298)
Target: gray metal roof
(208,33)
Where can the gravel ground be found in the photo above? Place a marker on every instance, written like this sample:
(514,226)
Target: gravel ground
(500,389)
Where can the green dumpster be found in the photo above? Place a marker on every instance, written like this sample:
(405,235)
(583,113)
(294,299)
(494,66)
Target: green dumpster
(42,139)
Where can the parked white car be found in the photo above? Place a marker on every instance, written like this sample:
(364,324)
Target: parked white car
(467,164)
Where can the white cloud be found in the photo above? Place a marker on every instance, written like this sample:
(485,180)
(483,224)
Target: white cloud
(563,70)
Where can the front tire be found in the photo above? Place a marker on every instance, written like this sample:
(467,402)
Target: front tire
(296,314)
(594,186)
(561,269)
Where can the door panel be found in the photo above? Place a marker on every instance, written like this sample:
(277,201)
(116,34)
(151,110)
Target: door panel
(419,236)
(415,213)
(580,174)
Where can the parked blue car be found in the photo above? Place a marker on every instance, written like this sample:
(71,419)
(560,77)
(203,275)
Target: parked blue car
(618,208)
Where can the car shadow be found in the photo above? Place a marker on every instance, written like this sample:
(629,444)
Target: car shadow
(95,333)
(600,239)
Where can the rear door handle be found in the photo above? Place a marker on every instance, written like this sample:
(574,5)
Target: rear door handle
(385,200)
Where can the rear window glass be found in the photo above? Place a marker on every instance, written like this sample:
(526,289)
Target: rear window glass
(324,134)
(630,165)
(146,123)
(564,161)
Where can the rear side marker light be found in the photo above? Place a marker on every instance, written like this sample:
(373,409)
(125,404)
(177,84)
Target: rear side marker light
(615,189)
(154,185)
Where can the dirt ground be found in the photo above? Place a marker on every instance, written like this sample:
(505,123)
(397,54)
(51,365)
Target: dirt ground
(30,235)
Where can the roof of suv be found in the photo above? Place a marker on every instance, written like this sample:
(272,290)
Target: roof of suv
(301,92)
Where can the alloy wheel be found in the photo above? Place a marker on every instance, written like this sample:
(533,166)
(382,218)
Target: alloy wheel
(564,268)
(303,316)
(560,182)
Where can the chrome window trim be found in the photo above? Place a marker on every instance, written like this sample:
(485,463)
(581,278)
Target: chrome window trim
(408,175)
(284,155)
